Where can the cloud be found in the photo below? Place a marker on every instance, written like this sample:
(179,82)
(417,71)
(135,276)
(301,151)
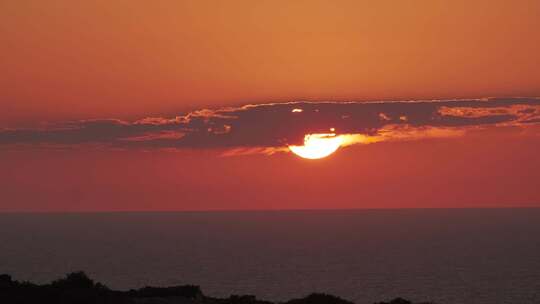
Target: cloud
(268,128)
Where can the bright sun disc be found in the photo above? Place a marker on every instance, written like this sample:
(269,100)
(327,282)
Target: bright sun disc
(318,145)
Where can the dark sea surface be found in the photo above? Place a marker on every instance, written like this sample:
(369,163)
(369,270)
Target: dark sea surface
(448,256)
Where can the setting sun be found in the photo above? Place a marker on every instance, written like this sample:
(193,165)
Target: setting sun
(203,133)
(318,145)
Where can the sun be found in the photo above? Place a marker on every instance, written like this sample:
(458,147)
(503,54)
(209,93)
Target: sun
(318,145)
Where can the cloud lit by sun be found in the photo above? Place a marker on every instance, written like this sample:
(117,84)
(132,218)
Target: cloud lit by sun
(317,146)
(310,130)
(321,145)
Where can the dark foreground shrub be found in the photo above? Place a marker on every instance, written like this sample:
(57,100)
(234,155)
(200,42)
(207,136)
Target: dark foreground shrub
(401,301)
(319,298)
(186,291)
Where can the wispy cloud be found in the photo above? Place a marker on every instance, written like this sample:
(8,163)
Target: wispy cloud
(268,128)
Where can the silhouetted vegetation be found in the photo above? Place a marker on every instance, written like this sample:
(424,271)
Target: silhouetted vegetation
(319,298)
(187,291)
(402,301)
(74,288)
(239,299)
(78,288)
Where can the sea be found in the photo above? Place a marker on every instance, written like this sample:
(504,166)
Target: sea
(443,255)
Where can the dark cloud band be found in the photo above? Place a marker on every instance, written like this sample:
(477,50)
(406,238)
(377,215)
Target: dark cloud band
(280,124)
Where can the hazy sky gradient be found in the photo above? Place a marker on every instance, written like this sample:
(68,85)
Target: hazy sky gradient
(92,59)
(93,64)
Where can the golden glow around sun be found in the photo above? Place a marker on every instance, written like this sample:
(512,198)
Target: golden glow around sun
(318,145)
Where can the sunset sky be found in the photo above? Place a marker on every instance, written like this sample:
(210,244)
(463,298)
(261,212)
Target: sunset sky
(191,105)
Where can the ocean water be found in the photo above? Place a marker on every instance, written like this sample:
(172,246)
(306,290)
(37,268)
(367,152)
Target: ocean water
(448,256)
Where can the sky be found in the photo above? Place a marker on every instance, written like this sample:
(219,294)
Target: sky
(191,105)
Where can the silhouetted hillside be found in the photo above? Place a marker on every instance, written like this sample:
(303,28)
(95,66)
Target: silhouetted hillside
(77,288)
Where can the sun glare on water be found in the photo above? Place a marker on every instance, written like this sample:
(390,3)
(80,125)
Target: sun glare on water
(318,145)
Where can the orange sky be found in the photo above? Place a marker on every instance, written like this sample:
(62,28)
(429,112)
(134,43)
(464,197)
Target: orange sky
(85,59)
(456,173)
(131,59)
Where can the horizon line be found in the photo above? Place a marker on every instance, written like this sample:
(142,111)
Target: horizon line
(268,210)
